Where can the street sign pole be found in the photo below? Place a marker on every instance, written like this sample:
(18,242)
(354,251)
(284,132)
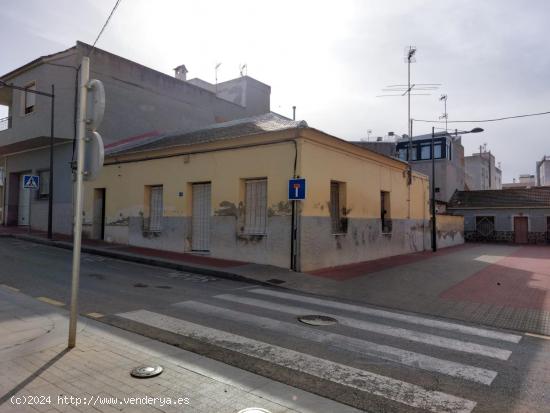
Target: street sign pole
(81,132)
(30,202)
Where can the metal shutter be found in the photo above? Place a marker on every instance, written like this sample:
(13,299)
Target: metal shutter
(156,211)
(256,206)
(201,217)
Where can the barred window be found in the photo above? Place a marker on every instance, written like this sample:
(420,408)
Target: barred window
(385,216)
(255,206)
(337,207)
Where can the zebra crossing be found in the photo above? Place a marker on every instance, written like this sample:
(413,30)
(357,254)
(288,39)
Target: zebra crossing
(390,359)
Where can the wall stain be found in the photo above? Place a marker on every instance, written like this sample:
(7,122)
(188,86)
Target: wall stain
(282,208)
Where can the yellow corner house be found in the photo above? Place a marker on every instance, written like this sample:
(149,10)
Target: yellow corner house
(223,190)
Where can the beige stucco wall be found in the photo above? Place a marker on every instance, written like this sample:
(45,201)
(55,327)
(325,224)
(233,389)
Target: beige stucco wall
(365,174)
(449,230)
(320,159)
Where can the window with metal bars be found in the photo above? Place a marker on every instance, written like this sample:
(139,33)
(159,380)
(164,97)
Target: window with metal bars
(255,222)
(338,207)
(385,216)
(155,209)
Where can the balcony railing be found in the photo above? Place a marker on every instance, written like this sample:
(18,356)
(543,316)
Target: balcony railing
(5,123)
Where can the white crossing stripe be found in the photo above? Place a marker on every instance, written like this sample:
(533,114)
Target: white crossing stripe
(428,322)
(393,354)
(386,387)
(403,333)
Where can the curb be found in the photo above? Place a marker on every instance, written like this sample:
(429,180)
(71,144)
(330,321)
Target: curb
(156,262)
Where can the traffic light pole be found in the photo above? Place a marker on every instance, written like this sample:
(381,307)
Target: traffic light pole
(77,233)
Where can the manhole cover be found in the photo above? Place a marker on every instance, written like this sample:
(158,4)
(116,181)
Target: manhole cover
(317,320)
(254,410)
(144,372)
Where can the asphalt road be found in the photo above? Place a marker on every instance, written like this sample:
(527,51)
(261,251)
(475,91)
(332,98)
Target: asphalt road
(378,360)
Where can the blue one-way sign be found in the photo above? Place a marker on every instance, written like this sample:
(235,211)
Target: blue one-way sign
(31,181)
(296,189)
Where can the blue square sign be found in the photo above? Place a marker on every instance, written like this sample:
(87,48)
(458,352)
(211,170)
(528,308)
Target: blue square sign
(31,181)
(296,189)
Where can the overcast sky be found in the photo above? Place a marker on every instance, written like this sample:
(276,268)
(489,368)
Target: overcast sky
(331,58)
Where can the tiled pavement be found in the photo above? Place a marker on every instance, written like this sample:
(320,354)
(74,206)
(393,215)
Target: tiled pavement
(35,364)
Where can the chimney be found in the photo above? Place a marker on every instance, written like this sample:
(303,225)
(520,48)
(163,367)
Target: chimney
(181,72)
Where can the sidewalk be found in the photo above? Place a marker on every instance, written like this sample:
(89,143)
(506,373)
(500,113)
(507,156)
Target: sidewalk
(36,366)
(498,285)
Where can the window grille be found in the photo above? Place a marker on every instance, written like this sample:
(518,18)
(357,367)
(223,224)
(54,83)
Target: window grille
(255,206)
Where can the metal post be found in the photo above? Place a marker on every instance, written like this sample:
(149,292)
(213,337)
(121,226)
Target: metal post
(50,195)
(293,237)
(293,112)
(81,131)
(434,243)
(30,201)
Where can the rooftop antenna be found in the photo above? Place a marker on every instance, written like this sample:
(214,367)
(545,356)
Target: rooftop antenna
(243,69)
(402,90)
(369,132)
(445,114)
(216,72)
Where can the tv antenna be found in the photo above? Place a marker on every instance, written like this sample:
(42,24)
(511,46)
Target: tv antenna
(409,89)
(243,69)
(445,115)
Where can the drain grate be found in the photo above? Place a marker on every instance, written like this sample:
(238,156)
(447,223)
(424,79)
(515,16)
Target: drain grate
(317,320)
(141,285)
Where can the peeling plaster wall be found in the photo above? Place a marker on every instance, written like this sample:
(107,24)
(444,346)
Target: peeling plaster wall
(363,241)
(449,230)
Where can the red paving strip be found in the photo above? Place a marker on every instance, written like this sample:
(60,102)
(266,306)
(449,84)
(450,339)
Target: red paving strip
(520,280)
(346,272)
(182,257)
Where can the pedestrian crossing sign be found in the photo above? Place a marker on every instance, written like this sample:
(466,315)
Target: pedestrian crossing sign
(31,181)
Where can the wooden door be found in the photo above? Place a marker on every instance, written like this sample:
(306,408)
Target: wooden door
(521,228)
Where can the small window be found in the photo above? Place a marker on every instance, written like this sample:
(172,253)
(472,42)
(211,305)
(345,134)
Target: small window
(438,150)
(29,98)
(255,222)
(485,226)
(385,216)
(414,153)
(425,151)
(338,207)
(156,209)
(44,189)
(403,154)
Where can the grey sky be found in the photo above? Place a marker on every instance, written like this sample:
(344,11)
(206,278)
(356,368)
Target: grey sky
(331,58)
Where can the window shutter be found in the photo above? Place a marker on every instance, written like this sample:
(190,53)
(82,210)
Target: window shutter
(256,206)
(156,209)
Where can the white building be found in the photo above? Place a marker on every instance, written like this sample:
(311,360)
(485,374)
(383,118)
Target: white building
(543,171)
(481,171)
